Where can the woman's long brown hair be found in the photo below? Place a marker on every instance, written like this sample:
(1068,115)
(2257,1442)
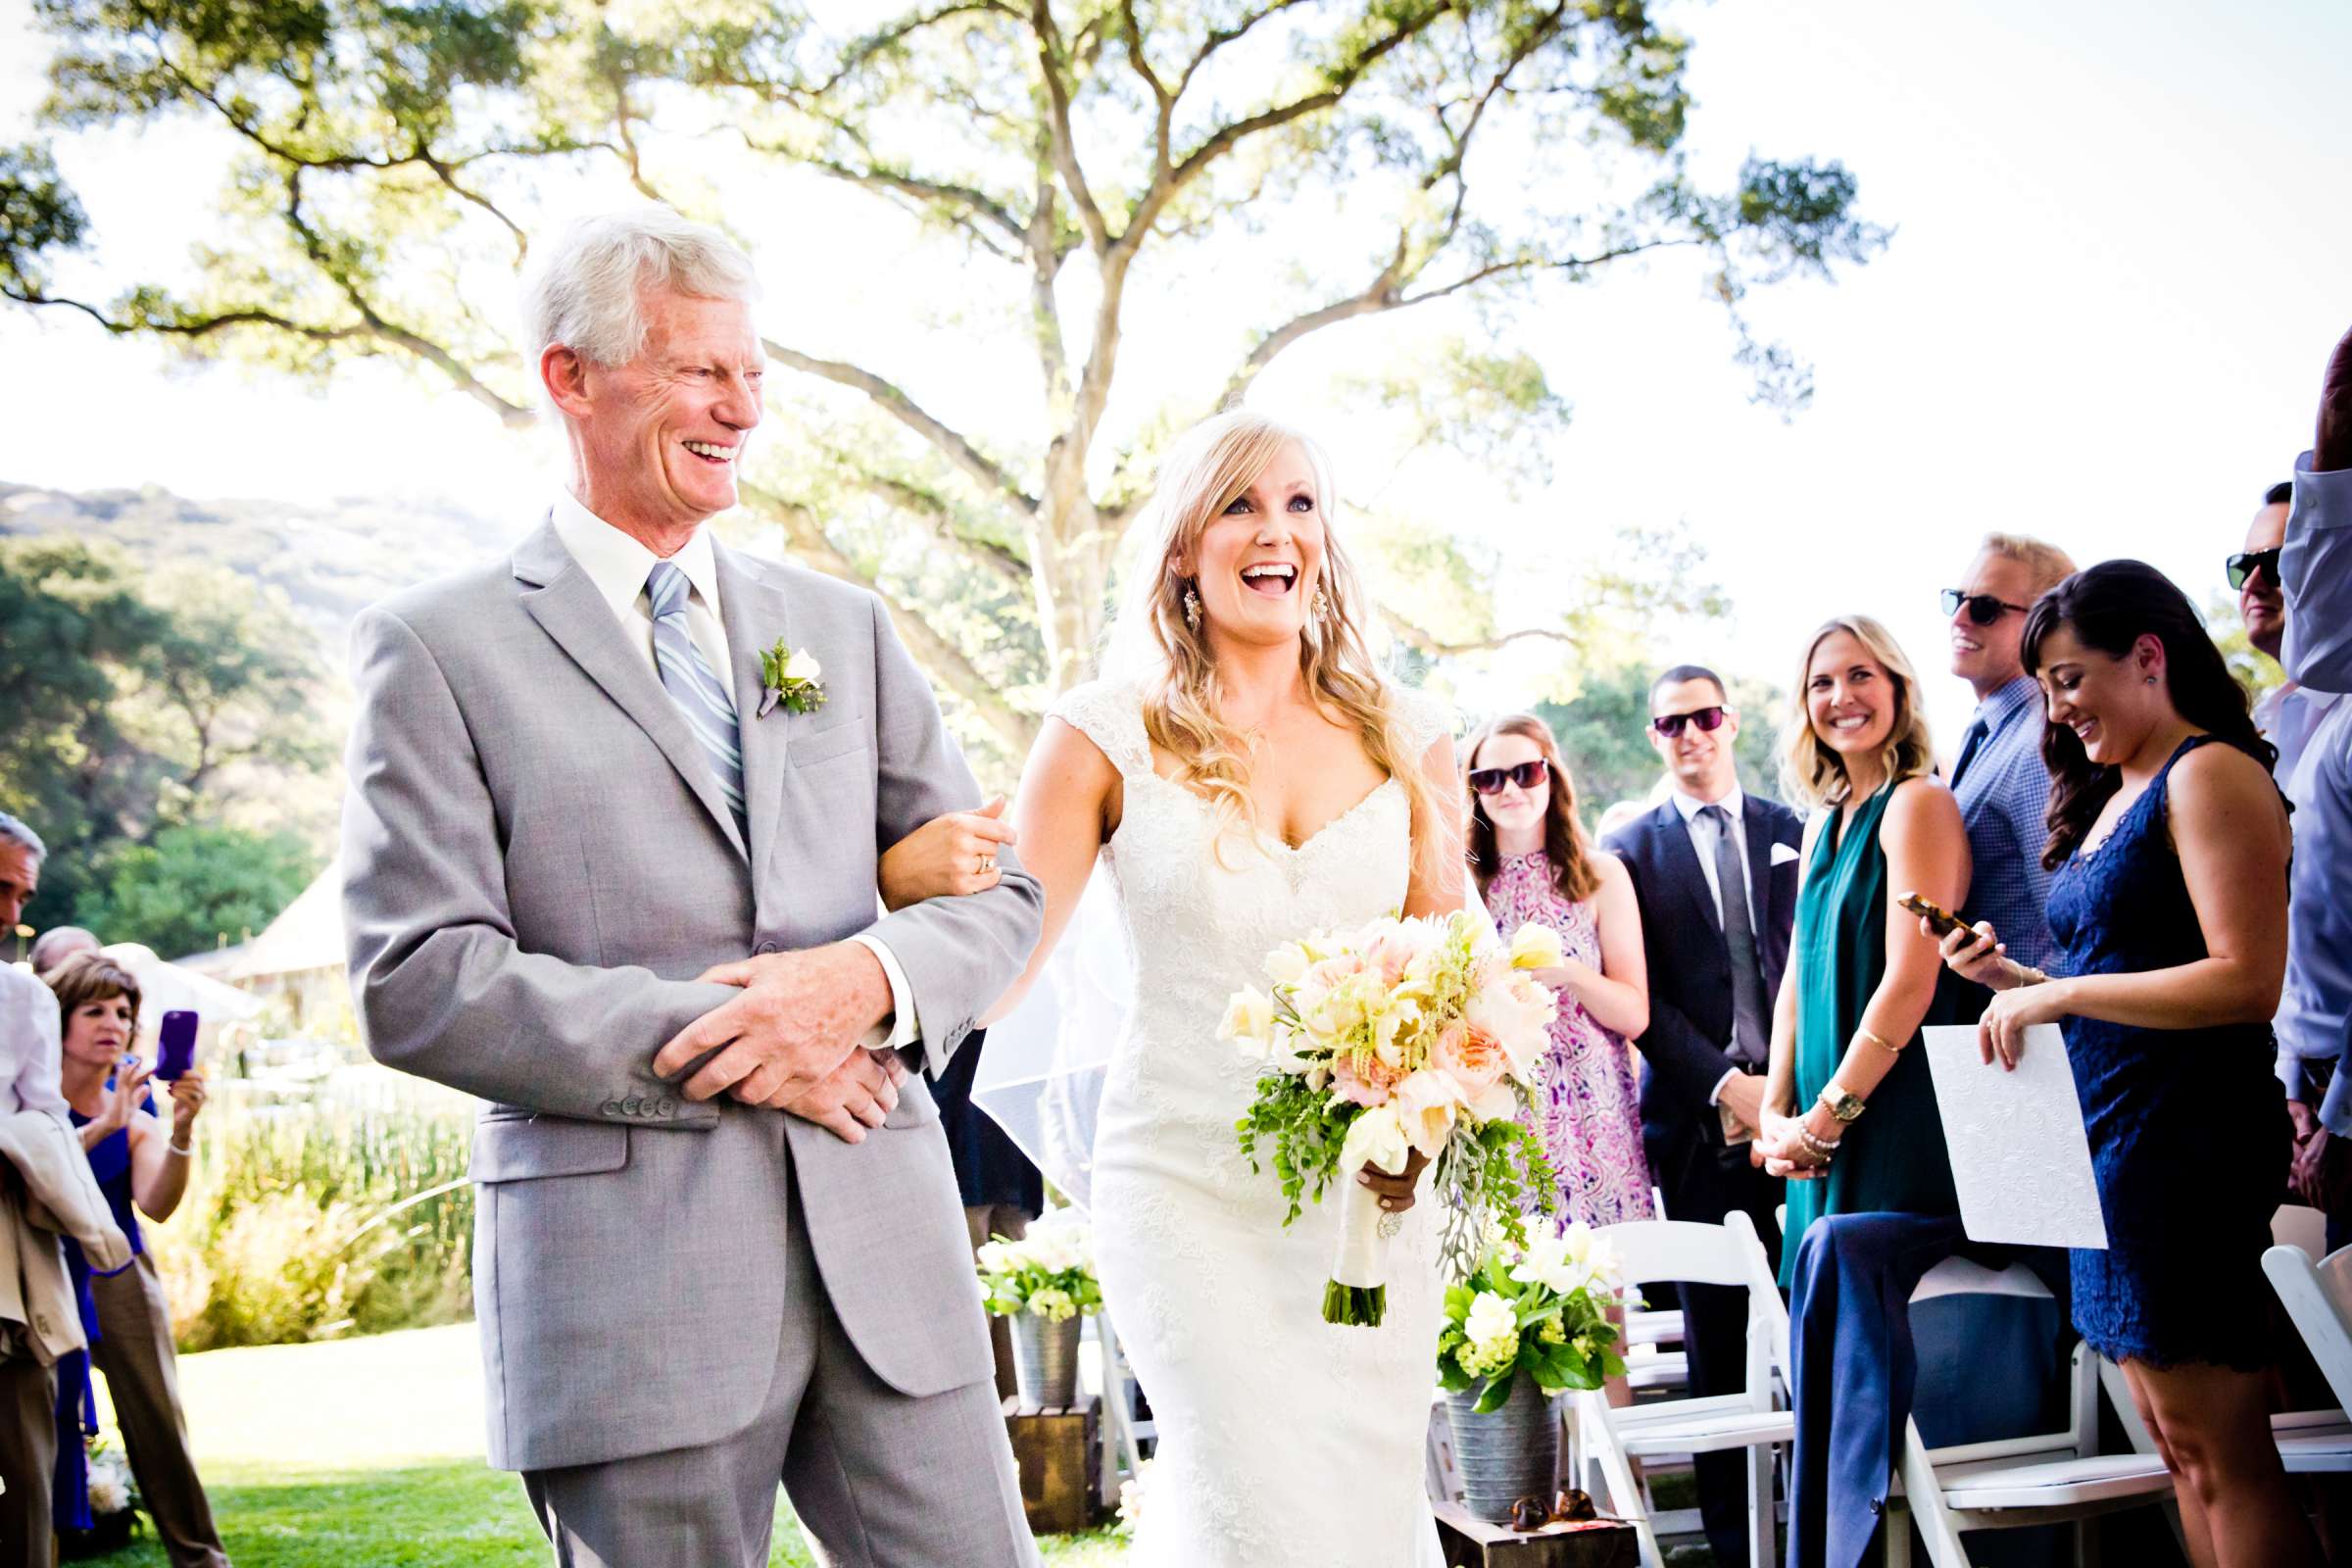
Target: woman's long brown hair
(1565,843)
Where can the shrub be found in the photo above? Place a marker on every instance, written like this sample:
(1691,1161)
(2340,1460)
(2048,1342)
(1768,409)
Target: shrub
(312,1221)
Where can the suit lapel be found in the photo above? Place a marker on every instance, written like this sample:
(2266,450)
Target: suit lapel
(754,610)
(1681,858)
(567,607)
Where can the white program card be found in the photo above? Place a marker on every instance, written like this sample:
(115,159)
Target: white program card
(2021,1158)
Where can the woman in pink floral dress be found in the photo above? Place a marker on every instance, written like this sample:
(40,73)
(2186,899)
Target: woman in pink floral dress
(1534,863)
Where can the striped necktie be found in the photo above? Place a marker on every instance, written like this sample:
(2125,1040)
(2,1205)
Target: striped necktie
(708,707)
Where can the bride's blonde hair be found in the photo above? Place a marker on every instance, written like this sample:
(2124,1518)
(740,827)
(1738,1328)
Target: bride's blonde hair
(1208,468)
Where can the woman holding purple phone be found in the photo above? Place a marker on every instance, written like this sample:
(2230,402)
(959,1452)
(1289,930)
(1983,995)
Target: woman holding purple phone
(142,1166)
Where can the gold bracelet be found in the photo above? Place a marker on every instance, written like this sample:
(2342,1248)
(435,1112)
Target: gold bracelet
(1874,1039)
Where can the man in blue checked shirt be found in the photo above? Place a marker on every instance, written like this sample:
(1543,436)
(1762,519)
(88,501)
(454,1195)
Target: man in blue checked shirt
(2003,784)
(2315,1011)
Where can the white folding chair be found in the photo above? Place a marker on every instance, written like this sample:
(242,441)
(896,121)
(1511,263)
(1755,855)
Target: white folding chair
(2318,1298)
(1612,1438)
(2050,1479)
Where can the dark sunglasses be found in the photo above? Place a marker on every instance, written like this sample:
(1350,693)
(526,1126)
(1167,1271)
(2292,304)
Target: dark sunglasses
(1567,1507)
(2246,563)
(1670,725)
(1982,609)
(1527,775)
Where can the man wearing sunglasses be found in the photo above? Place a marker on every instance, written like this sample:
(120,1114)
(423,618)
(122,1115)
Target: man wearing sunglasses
(1999,777)
(2287,714)
(1714,874)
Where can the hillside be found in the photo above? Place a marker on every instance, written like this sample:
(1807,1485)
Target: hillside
(329,560)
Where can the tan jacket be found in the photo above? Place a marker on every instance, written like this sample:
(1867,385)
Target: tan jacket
(46,1189)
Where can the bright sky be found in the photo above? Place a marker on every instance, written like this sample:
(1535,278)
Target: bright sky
(2122,255)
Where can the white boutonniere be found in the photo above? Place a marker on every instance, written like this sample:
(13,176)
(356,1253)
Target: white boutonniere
(790,677)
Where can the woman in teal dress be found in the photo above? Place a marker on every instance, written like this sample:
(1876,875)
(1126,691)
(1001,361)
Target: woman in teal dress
(1862,978)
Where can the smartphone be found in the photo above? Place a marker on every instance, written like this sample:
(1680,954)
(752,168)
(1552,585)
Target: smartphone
(1940,920)
(177,1052)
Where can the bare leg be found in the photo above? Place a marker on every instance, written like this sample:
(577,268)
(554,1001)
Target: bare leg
(2213,1427)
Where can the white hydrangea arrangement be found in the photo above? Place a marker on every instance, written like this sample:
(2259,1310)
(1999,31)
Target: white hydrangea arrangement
(1541,1308)
(1049,1272)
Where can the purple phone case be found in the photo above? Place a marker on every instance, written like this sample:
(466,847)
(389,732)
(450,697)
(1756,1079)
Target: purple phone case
(178,1053)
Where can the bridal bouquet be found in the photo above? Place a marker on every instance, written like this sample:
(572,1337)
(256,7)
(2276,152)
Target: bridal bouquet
(1542,1308)
(1406,1036)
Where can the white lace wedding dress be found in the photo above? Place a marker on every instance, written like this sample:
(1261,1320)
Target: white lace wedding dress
(1283,1440)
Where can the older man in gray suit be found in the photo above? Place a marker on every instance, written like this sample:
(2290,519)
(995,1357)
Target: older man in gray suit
(594,877)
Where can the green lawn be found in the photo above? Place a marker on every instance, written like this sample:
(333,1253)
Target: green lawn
(368,1453)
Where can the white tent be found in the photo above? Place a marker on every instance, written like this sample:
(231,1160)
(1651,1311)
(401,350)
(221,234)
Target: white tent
(166,986)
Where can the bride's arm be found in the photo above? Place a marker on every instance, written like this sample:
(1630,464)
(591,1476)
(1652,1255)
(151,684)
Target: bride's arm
(1067,809)
(1438,873)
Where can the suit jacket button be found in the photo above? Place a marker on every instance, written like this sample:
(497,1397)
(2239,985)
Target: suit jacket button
(665,1105)
(629,1107)
(610,1108)
(767,946)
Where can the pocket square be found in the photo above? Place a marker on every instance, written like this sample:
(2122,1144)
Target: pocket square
(1783,854)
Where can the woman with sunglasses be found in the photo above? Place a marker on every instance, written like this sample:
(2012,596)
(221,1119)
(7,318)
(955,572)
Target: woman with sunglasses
(1533,862)
(1862,979)
(2170,845)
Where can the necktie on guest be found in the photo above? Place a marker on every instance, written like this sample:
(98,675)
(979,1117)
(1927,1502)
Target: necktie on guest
(1751,1033)
(700,696)
(1968,748)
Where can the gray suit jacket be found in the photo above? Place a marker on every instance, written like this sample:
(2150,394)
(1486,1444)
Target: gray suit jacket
(537,862)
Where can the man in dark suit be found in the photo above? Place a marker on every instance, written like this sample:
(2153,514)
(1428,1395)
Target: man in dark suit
(1715,872)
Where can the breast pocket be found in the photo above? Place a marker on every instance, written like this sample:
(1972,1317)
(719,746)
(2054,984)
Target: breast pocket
(852,734)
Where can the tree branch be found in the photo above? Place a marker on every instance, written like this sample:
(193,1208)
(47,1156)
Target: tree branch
(1383,295)
(893,400)
(1426,642)
(1064,148)
(946,663)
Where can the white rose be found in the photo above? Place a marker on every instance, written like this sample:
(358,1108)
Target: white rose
(1287,964)
(996,1257)
(1534,946)
(1375,1138)
(1491,1319)
(1248,1017)
(803,666)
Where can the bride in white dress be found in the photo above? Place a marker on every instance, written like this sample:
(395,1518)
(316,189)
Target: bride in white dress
(1253,778)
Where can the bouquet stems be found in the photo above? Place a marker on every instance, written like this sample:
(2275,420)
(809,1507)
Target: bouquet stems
(1357,1294)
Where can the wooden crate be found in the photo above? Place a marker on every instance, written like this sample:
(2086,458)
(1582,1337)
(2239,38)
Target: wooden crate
(1059,1452)
(1472,1542)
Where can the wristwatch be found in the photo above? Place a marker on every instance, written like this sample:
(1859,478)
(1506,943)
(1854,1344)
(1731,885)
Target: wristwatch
(1839,1104)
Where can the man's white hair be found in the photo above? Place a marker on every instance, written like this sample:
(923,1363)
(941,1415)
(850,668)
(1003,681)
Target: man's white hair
(583,293)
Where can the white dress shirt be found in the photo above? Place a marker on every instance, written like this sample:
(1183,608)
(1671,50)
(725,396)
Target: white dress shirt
(1704,831)
(617,565)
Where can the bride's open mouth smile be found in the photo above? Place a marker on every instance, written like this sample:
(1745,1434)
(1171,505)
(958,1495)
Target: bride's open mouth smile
(1270,580)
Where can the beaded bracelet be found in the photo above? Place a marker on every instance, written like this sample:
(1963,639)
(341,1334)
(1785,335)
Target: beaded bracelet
(1822,1149)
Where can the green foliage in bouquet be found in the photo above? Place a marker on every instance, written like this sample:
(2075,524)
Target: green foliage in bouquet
(1502,1159)
(1541,1309)
(1049,1272)
(1304,1127)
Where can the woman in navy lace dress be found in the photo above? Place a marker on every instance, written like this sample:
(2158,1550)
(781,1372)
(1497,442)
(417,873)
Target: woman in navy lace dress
(2168,908)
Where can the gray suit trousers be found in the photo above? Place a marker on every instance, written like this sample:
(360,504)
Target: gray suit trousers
(880,1479)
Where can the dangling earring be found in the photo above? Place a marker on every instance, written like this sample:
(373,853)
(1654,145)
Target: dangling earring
(1322,603)
(1192,607)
